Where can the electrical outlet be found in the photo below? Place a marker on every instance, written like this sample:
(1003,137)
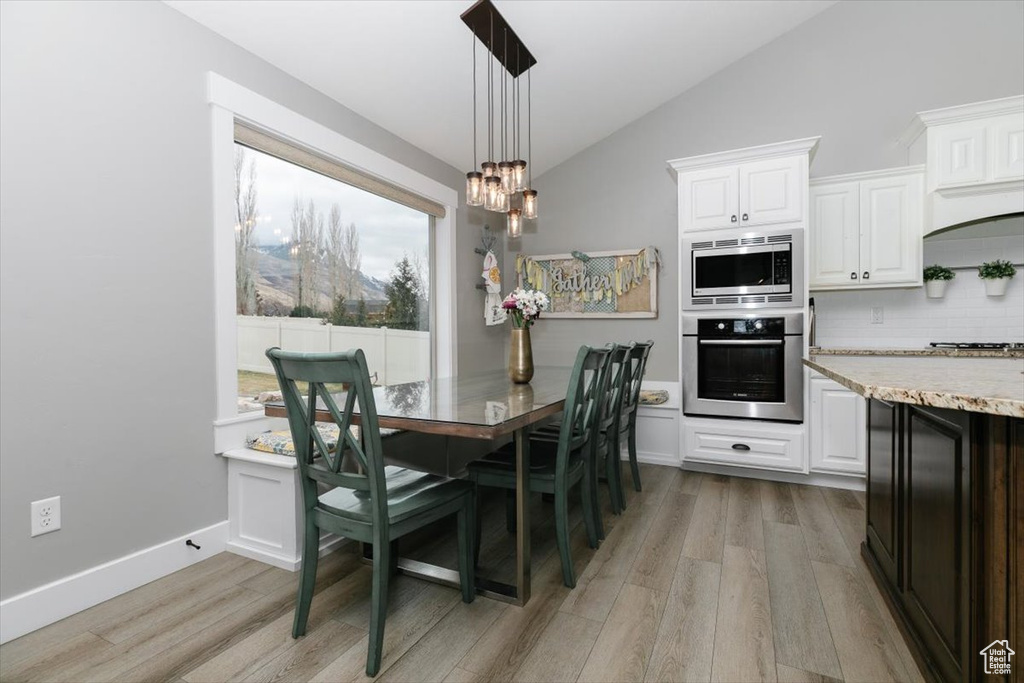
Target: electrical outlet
(877,315)
(45,515)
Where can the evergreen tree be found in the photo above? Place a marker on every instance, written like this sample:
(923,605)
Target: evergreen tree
(402,309)
(362,314)
(339,314)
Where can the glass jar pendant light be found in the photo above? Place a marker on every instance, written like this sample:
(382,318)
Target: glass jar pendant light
(515,223)
(474,179)
(492,193)
(530,204)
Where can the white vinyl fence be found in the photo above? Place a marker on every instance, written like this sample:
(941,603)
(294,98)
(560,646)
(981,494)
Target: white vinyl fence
(396,356)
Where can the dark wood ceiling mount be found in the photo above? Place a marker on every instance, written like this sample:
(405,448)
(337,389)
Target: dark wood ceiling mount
(517,60)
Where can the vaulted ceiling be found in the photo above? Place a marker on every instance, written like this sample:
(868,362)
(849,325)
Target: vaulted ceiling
(406,65)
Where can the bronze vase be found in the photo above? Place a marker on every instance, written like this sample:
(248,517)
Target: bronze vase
(520,356)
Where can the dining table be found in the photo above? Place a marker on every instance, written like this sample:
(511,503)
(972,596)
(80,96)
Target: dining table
(486,406)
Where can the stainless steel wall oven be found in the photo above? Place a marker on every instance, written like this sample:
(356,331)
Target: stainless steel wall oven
(746,366)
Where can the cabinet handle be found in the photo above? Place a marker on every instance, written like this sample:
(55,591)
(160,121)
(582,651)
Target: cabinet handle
(746,217)
(740,447)
(853,276)
(733,219)
(866,275)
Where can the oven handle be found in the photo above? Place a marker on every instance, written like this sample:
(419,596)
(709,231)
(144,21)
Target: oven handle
(741,342)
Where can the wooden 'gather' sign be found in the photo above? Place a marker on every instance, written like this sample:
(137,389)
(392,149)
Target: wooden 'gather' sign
(600,284)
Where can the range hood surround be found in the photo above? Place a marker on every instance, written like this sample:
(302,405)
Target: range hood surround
(974,156)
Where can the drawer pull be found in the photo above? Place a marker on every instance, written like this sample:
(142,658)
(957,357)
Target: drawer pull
(740,447)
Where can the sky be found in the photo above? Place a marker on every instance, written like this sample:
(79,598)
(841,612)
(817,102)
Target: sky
(387,231)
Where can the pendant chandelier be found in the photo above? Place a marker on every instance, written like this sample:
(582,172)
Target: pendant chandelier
(505,186)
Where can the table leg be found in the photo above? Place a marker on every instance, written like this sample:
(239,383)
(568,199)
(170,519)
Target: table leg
(517,594)
(522,440)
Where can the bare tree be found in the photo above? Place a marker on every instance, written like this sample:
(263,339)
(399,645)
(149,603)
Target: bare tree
(353,260)
(335,254)
(246,216)
(307,247)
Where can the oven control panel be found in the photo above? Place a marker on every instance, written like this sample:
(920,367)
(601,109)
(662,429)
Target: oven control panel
(732,328)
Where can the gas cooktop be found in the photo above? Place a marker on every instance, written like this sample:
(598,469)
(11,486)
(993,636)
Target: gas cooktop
(974,345)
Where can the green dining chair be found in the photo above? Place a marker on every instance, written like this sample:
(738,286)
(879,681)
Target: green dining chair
(627,423)
(556,467)
(607,445)
(376,505)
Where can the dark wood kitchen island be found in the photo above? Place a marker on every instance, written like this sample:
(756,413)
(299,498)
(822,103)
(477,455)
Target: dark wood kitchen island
(945,503)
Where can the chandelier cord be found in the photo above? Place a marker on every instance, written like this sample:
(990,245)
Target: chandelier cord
(473,38)
(529,125)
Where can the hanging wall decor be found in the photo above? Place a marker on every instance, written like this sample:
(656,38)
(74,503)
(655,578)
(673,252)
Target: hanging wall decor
(598,284)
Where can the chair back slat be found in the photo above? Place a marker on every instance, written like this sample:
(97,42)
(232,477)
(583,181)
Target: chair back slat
(582,403)
(317,462)
(618,370)
(637,367)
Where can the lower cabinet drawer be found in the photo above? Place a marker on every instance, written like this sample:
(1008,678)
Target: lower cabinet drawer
(744,446)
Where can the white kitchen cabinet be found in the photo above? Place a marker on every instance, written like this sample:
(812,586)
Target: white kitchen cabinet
(866,230)
(771,191)
(746,187)
(834,239)
(744,443)
(837,429)
(710,198)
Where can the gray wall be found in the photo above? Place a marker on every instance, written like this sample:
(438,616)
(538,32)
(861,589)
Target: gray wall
(105,243)
(855,74)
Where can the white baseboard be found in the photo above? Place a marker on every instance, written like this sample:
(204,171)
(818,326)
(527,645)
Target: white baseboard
(835,481)
(667,459)
(327,544)
(31,610)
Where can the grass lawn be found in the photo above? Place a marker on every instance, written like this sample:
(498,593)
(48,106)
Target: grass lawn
(252,383)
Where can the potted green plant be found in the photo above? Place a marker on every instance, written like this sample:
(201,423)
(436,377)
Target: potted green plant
(996,275)
(935,280)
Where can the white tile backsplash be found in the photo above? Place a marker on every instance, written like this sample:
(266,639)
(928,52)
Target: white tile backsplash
(912,320)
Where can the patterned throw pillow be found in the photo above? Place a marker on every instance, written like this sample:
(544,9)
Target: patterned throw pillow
(653,397)
(280,442)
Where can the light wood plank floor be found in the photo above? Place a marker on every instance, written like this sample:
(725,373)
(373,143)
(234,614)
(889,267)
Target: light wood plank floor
(704,577)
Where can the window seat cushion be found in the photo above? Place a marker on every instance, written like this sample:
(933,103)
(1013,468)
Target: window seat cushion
(280,442)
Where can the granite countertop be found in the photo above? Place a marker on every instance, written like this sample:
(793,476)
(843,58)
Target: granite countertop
(983,385)
(929,351)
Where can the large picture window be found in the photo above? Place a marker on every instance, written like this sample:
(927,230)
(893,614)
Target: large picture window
(324,265)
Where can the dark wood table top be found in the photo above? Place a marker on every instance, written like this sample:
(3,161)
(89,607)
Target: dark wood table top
(482,406)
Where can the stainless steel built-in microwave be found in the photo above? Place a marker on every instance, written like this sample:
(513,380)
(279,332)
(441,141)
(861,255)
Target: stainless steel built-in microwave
(743,270)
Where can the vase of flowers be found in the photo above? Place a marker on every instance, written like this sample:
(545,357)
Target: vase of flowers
(935,280)
(524,306)
(997,275)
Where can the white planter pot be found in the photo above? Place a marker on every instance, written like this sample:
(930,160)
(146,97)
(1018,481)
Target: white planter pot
(996,286)
(935,289)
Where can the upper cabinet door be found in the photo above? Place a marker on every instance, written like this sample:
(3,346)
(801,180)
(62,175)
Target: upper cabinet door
(959,151)
(834,236)
(708,199)
(770,191)
(1008,148)
(891,217)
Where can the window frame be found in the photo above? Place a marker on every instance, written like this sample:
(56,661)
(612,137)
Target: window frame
(230,101)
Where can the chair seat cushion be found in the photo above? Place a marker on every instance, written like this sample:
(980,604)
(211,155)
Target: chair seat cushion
(409,492)
(280,442)
(542,461)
